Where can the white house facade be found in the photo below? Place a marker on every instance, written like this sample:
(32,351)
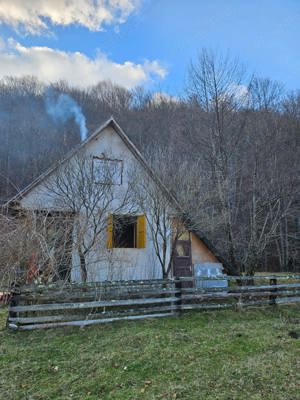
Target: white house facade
(130,253)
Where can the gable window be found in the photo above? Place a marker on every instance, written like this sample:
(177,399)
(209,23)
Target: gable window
(107,171)
(126,231)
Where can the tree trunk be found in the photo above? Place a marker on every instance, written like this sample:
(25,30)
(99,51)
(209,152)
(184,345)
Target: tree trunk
(83,266)
(165,274)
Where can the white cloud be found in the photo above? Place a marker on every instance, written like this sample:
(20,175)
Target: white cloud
(50,65)
(35,16)
(239,93)
(162,97)
(238,90)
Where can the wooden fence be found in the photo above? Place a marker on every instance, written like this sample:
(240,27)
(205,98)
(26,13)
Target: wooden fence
(52,306)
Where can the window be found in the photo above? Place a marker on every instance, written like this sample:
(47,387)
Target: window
(126,231)
(182,249)
(107,172)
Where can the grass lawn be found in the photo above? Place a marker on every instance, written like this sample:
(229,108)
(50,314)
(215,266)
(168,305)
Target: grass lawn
(206,355)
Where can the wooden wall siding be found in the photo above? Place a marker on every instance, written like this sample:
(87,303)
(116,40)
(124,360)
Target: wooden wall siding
(88,304)
(200,253)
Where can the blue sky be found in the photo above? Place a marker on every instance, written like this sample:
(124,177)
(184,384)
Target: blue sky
(147,42)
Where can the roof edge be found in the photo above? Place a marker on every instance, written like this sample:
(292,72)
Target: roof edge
(21,194)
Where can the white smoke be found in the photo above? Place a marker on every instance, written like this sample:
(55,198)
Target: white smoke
(63,107)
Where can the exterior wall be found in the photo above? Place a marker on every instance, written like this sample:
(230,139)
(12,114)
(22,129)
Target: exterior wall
(200,253)
(205,264)
(103,263)
(119,264)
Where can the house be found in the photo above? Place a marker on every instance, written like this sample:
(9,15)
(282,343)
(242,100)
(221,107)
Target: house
(109,235)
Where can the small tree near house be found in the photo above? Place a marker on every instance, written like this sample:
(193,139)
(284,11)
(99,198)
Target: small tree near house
(34,246)
(162,214)
(85,186)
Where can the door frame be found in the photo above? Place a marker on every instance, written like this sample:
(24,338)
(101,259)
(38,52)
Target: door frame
(188,258)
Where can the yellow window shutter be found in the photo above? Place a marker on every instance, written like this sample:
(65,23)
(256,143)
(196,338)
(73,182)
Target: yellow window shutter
(141,232)
(109,242)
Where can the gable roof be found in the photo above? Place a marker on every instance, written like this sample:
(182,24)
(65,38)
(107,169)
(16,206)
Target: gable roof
(137,154)
(111,122)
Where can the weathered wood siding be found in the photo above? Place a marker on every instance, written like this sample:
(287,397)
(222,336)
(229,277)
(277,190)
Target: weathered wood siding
(200,253)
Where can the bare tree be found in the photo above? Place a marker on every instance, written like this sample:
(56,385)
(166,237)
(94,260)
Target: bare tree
(35,247)
(90,195)
(157,205)
(168,202)
(266,94)
(217,85)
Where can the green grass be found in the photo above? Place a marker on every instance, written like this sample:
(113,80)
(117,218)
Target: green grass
(205,355)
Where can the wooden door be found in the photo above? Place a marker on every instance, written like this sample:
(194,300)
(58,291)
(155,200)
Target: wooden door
(182,262)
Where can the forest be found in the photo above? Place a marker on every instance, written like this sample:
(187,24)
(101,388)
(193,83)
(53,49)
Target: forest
(227,148)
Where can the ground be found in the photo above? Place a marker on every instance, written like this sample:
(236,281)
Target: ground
(249,354)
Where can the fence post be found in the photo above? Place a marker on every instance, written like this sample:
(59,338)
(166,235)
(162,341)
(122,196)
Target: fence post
(178,287)
(13,301)
(273,282)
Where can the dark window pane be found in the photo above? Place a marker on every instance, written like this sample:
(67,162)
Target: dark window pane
(124,231)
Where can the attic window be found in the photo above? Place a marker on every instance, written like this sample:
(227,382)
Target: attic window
(107,171)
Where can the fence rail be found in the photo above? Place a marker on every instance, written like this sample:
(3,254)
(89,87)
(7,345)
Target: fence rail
(39,306)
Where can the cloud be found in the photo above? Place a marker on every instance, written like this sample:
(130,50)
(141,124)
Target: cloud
(36,16)
(238,93)
(238,90)
(162,97)
(50,65)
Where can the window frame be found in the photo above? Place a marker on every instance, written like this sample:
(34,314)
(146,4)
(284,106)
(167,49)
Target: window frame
(140,231)
(116,160)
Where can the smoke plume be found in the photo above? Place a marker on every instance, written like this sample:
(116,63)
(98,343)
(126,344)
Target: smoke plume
(63,107)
